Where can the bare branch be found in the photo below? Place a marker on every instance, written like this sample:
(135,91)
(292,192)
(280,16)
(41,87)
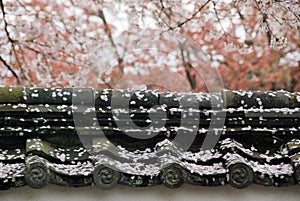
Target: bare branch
(23,6)
(190,18)
(108,33)
(264,20)
(10,69)
(162,4)
(10,40)
(5,22)
(187,67)
(219,21)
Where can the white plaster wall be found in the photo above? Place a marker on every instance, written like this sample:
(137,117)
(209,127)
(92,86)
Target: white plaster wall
(157,193)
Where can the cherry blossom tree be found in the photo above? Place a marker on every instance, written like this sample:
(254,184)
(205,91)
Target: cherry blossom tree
(177,45)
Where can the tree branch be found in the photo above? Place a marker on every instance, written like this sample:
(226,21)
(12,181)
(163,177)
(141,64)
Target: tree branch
(264,20)
(5,22)
(162,4)
(190,18)
(10,69)
(187,67)
(10,40)
(108,33)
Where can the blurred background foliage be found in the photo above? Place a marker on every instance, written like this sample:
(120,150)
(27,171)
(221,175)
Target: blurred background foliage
(183,45)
